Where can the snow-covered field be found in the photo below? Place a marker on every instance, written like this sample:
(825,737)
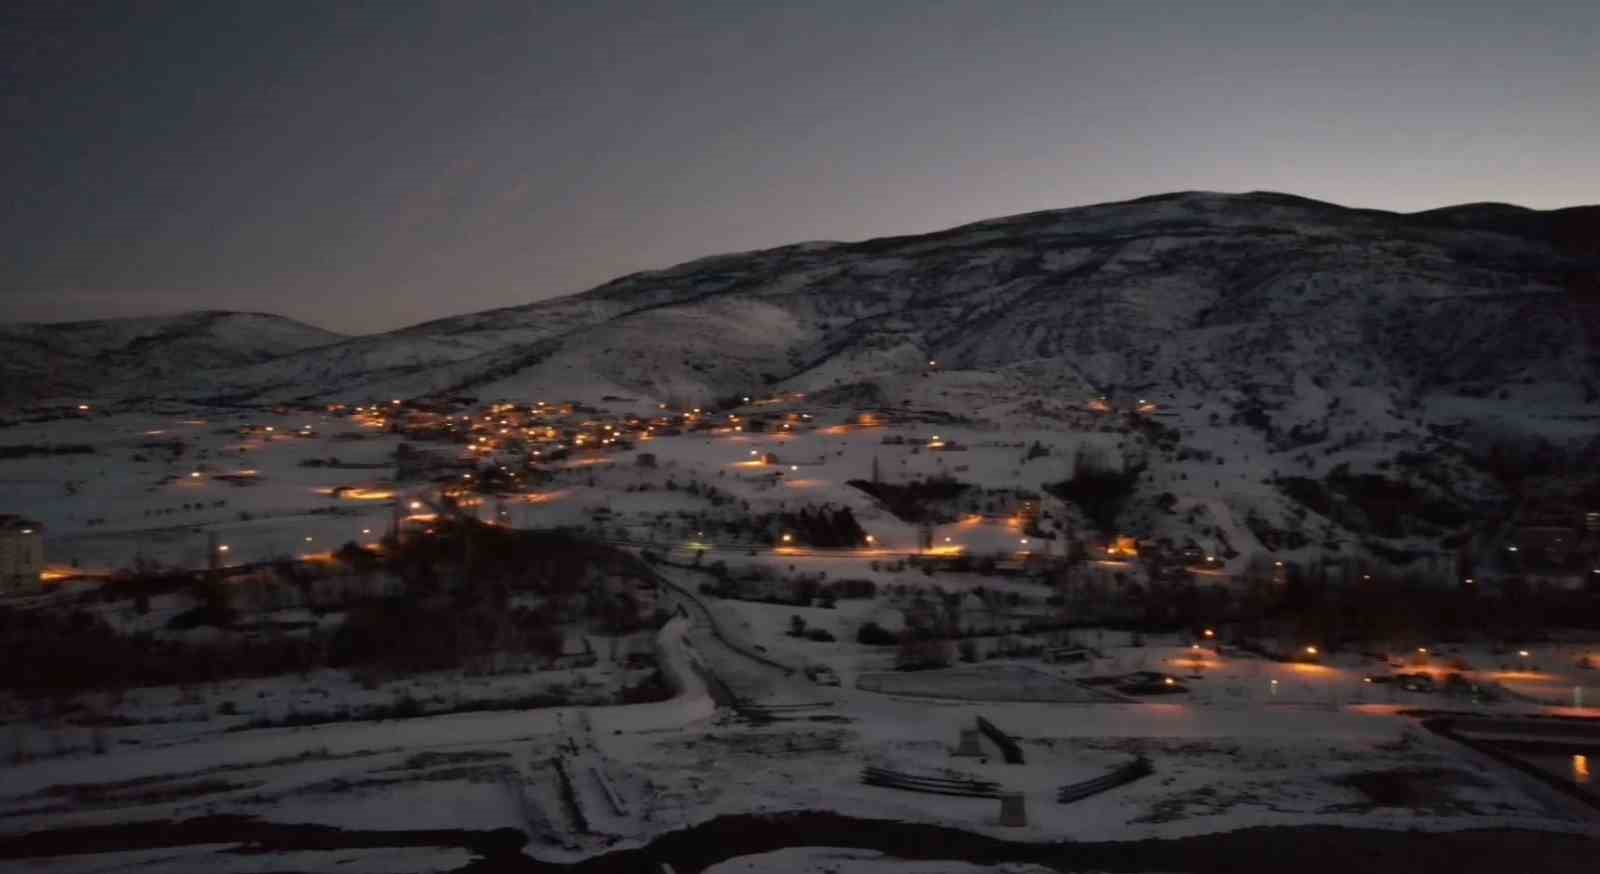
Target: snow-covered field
(820,860)
(1249,742)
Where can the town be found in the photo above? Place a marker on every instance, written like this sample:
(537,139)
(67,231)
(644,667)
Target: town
(902,601)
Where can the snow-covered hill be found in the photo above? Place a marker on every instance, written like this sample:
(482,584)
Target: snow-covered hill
(140,356)
(1290,348)
(1204,292)
(1290,314)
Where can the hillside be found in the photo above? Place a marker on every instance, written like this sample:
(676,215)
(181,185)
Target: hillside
(1197,292)
(138,356)
(1278,373)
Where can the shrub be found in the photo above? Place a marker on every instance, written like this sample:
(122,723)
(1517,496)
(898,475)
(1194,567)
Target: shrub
(873,634)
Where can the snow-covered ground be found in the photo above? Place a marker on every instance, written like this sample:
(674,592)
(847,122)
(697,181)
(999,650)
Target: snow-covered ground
(822,860)
(1251,741)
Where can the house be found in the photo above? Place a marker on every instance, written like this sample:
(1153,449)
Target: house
(21,553)
(1122,547)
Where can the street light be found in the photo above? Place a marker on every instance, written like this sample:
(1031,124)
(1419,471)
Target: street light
(1311,650)
(788,538)
(1210,633)
(222,548)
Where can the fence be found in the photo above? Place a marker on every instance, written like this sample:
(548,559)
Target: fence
(873,776)
(1009,750)
(1128,773)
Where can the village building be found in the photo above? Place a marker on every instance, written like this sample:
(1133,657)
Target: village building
(21,554)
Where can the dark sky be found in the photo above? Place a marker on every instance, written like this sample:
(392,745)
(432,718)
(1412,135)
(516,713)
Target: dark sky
(367,165)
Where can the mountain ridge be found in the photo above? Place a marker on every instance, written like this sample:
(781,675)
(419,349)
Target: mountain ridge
(1075,285)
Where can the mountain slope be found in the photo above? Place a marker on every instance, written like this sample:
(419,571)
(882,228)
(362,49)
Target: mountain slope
(1197,292)
(117,356)
(1308,362)
(1206,289)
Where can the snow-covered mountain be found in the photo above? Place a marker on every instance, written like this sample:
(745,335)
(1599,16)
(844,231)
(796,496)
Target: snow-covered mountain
(1252,295)
(1312,367)
(117,357)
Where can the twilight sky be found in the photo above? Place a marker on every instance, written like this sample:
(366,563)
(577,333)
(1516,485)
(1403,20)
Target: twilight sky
(363,166)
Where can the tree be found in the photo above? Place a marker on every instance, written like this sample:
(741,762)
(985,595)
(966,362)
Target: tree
(797,626)
(873,634)
(1100,492)
(920,651)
